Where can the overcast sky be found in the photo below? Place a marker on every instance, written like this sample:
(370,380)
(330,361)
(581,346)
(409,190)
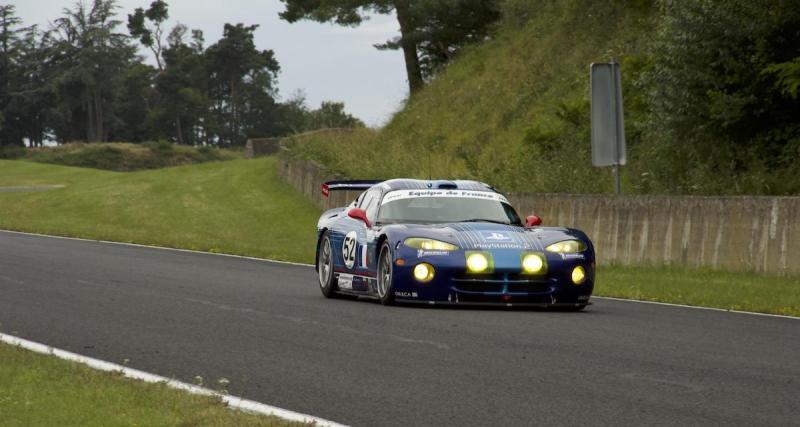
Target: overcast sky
(326,61)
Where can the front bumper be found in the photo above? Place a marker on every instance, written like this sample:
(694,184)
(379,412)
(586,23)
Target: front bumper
(506,285)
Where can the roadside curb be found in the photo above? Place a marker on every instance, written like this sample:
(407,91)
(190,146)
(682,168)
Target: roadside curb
(231,401)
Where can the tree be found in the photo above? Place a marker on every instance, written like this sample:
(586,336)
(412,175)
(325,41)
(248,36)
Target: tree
(238,72)
(183,104)
(32,96)
(150,35)
(332,115)
(9,35)
(92,58)
(431,31)
(721,76)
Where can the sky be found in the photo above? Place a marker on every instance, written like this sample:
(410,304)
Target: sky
(327,62)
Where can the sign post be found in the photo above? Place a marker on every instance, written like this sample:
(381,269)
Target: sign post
(608,126)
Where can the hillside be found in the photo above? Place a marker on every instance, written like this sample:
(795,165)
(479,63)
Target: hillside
(514,111)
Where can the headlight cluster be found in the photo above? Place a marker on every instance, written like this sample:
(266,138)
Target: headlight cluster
(567,247)
(429,244)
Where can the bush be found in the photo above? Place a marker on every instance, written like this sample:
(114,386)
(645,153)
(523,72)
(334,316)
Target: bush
(126,157)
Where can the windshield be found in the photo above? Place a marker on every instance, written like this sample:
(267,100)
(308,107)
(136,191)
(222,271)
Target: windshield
(439,206)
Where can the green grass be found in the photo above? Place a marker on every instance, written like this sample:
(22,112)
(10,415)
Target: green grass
(120,156)
(39,390)
(236,207)
(702,287)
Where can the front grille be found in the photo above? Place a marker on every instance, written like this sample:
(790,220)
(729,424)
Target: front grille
(528,287)
(500,283)
(479,287)
(504,299)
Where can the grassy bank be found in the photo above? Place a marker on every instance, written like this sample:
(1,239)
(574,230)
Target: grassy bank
(120,156)
(242,207)
(512,111)
(38,390)
(237,207)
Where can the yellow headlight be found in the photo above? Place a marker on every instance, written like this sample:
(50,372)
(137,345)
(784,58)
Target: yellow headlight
(567,247)
(532,263)
(423,272)
(477,262)
(578,275)
(429,244)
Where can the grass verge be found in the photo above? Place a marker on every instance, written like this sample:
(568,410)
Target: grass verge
(702,287)
(39,390)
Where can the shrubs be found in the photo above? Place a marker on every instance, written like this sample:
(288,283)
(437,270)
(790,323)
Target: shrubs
(124,157)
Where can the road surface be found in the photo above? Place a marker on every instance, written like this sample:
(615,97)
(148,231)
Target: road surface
(267,329)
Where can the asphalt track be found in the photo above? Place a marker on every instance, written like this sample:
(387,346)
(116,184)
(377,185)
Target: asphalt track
(267,329)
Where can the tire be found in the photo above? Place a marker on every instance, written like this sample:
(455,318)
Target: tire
(385,276)
(327,281)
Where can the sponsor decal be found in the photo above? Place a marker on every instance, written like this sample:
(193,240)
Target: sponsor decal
(403,294)
(349,249)
(497,237)
(423,253)
(345,281)
(573,256)
(412,194)
(583,298)
(499,246)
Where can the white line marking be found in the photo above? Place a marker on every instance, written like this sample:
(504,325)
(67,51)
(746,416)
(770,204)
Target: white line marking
(231,401)
(698,307)
(312,265)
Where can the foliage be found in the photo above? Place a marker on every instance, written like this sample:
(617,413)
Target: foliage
(82,80)
(298,117)
(718,92)
(150,35)
(432,32)
(122,157)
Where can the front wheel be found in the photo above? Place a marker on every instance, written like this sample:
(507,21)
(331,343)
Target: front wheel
(327,282)
(385,288)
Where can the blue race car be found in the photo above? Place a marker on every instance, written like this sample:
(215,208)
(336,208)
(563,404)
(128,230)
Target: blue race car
(448,242)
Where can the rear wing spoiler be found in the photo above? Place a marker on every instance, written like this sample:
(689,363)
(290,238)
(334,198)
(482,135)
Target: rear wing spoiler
(354,185)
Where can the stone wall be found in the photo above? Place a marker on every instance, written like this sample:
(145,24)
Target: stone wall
(744,233)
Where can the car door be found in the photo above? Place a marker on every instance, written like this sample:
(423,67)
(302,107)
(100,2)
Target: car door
(351,243)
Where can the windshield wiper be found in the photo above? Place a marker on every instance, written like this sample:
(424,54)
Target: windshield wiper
(486,220)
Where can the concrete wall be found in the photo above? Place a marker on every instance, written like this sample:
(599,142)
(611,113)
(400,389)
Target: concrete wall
(745,233)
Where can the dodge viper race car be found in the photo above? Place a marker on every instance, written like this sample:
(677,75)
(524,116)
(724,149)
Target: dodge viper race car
(448,242)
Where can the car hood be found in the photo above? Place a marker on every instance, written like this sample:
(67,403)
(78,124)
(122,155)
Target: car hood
(488,236)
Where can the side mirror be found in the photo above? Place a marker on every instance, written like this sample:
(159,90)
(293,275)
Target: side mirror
(358,213)
(532,221)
